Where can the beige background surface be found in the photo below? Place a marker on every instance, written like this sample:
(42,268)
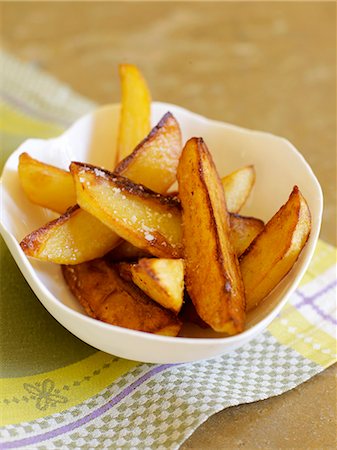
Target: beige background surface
(268,66)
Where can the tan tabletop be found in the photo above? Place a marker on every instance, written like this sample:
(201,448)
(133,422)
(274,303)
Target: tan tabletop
(266,66)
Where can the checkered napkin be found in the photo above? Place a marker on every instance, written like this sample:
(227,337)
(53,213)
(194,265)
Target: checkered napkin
(57,392)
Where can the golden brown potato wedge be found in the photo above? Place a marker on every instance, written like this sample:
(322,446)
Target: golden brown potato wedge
(70,234)
(148,220)
(161,279)
(153,163)
(75,237)
(135,110)
(273,253)
(212,272)
(70,237)
(107,297)
(155,159)
(243,231)
(237,186)
(46,185)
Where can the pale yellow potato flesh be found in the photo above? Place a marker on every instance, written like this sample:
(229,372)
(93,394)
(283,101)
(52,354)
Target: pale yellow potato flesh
(147,220)
(212,274)
(107,297)
(74,237)
(155,159)
(135,115)
(46,185)
(273,253)
(243,230)
(162,280)
(237,186)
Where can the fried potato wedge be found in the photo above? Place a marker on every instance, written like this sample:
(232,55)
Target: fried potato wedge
(161,279)
(75,237)
(80,242)
(237,186)
(135,112)
(148,220)
(212,272)
(46,185)
(243,231)
(107,297)
(70,234)
(153,163)
(273,253)
(155,159)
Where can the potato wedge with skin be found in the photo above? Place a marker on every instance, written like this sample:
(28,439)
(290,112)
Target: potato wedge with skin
(80,243)
(275,250)
(74,237)
(135,112)
(161,279)
(212,273)
(148,220)
(65,239)
(243,231)
(237,186)
(155,159)
(107,297)
(153,163)
(46,185)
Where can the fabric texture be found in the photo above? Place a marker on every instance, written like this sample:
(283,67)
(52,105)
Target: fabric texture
(58,392)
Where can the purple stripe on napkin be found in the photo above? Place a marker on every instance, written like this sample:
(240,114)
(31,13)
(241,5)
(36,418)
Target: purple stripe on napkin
(309,301)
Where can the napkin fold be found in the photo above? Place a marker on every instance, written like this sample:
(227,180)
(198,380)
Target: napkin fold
(58,392)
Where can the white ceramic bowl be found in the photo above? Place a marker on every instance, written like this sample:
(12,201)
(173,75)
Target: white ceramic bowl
(279,166)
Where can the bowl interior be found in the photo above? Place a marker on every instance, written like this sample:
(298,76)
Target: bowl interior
(92,139)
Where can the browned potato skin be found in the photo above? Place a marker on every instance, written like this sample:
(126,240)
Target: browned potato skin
(107,297)
(275,250)
(243,231)
(114,200)
(155,159)
(212,273)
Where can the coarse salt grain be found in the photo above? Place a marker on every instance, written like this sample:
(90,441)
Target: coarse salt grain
(149,237)
(99,173)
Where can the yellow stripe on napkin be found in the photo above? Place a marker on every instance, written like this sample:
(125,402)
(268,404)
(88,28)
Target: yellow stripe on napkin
(14,122)
(293,330)
(75,383)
